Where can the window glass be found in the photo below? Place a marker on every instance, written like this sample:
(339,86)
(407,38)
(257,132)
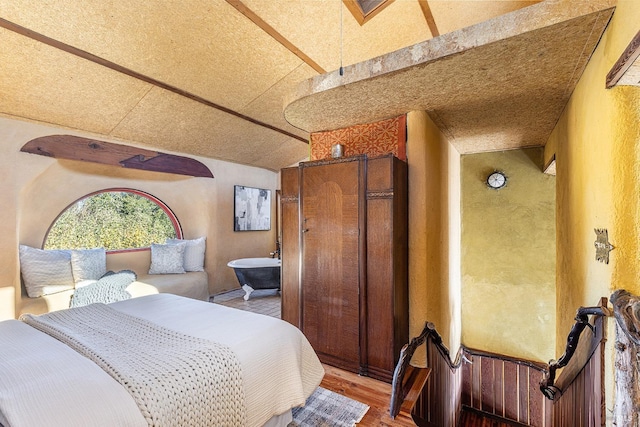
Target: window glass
(115,219)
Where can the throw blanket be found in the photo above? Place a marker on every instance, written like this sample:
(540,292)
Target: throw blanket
(110,288)
(174,378)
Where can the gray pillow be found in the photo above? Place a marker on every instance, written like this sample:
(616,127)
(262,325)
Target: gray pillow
(193,253)
(45,271)
(167,259)
(88,264)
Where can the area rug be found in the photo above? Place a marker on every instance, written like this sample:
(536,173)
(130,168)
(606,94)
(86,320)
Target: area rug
(325,408)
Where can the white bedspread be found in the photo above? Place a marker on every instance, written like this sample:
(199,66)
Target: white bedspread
(44,380)
(45,383)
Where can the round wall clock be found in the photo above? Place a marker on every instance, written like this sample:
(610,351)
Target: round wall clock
(496,180)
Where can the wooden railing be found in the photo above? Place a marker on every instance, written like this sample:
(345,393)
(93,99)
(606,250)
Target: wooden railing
(497,385)
(519,391)
(578,393)
(408,381)
(583,349)
(440,403)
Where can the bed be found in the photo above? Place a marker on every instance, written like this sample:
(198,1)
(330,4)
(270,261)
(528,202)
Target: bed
(45,382)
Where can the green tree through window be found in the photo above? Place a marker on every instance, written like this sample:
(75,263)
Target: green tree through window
(115,220)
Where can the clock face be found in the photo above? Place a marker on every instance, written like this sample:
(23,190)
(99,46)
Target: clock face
(496,180)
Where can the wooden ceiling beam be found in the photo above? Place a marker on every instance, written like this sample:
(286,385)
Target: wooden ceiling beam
(428,16)
(253,17)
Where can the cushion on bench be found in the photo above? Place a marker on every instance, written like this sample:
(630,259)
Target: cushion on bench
(192,285)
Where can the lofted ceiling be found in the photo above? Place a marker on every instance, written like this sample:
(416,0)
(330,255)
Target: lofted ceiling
(209,77)
(498,85)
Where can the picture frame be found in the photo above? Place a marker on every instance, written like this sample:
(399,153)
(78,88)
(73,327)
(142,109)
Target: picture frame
(251,208)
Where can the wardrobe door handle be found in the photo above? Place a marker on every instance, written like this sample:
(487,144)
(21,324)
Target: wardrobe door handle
(305,230)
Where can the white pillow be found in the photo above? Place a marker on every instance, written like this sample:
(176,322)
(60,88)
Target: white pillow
(167,259)
(45,271)
(193,254)
(88,264)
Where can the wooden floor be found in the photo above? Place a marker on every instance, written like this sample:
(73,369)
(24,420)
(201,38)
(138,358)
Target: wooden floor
(372,392)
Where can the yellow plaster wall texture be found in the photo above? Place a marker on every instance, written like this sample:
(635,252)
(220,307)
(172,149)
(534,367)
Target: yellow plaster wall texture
(598,149)
(626,155)
(9,175)
(508,256)
(424,224)
(451,232)
(37,188)
(597,142)
(433,248)
(626,190)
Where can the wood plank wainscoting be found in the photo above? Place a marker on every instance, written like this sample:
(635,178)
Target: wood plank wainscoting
(480,389)
(484,389)
(504,387)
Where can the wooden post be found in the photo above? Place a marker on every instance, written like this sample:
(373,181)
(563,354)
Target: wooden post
(626,307)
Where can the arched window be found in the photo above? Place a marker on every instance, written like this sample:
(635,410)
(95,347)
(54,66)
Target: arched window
(116,219)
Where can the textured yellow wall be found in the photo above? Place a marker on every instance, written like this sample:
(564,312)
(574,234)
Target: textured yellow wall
(597,143)
(37,188)
(452,233)
(625,140)
(508,256)
(434,244)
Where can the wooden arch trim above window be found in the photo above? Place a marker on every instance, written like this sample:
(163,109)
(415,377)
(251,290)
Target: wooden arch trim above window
(107,153)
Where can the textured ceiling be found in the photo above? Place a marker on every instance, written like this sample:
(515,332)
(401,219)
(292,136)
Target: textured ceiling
(500,84)
(208,77)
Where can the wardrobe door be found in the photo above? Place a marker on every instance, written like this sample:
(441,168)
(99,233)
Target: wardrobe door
(387,267)
(330,227)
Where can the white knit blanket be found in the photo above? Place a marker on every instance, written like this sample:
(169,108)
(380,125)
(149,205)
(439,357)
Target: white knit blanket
(111,287)
(175,379)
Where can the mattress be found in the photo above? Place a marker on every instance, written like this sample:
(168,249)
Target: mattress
(44,382)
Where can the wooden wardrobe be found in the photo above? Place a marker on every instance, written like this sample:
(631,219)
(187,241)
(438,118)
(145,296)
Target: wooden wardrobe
(344,260)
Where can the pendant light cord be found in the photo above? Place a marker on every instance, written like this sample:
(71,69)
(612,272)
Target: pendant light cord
(341,69)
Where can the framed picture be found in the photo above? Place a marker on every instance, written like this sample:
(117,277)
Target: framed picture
(252,209)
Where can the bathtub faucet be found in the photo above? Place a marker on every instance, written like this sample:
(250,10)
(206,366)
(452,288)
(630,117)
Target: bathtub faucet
(277,251)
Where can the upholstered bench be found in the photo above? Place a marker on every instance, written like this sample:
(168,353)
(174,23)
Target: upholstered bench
(175,279)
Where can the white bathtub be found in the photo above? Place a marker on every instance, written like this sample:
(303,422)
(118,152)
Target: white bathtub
(254,262)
